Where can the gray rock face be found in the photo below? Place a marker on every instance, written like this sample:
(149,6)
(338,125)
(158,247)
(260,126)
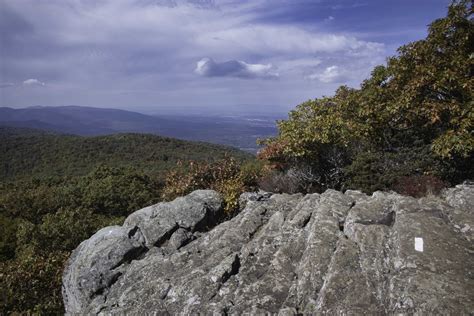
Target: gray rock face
(329,253)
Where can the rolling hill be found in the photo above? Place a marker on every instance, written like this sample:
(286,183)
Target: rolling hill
(28,153)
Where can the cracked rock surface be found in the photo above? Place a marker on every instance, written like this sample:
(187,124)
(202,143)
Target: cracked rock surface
(329,253)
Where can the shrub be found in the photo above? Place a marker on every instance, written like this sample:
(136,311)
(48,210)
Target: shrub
(186,178)
(419,186)
(251,171)
(65,229)
(225,176)
(366,173)
(315,172)
(31,284)
(30,200)
(279,182)
(274,153)
(378,170)
(8,229)
(115,191)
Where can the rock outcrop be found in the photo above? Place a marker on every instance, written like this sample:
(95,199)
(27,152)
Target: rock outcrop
(329,253)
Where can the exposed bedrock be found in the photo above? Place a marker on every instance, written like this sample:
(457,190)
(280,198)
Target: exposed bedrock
(329,253)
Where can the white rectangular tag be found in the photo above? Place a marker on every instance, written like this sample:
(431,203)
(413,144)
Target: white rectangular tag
(419,244)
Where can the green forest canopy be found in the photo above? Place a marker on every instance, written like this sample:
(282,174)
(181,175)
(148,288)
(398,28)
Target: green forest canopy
(57,190)
(28,153)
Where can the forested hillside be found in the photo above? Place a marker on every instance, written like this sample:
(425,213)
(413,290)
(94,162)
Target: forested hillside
(56,190)
(28,153)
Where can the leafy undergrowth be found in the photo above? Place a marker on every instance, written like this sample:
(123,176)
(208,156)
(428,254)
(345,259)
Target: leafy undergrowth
(225,176)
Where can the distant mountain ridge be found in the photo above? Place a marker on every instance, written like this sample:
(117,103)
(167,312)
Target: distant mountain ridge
(239,132)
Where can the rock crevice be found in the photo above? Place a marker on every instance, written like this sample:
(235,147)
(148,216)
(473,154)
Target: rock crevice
(330,253)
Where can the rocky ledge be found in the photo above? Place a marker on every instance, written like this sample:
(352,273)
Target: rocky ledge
(329,253)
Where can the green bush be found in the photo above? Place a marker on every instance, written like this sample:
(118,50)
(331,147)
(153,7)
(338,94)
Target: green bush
(371,171)
(65,229)
(32,199)
(117,191)
(8,228)
(31,284)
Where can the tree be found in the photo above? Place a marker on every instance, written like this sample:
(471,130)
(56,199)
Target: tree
(421,101)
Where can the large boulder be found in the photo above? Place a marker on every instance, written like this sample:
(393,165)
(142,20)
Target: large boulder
(97,263)
(329,253)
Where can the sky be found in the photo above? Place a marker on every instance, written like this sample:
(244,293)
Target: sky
(198,56)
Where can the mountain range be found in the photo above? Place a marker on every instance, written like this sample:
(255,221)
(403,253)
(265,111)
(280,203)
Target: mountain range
(237,131)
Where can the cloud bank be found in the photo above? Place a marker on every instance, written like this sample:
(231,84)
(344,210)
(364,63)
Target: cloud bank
(124,53)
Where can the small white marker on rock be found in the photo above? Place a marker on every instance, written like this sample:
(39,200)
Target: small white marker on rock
(419,244)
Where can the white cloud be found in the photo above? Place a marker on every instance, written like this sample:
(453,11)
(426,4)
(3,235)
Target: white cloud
(33,82)
(332,74)
(281,40)
(207,67)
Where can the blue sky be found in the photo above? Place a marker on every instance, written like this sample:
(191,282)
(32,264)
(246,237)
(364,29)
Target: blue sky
(192,56)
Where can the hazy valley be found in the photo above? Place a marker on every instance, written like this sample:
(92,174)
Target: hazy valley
(237,131)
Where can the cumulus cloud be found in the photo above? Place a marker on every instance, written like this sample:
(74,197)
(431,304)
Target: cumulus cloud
(33,82)
(332,74)
(207,67)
